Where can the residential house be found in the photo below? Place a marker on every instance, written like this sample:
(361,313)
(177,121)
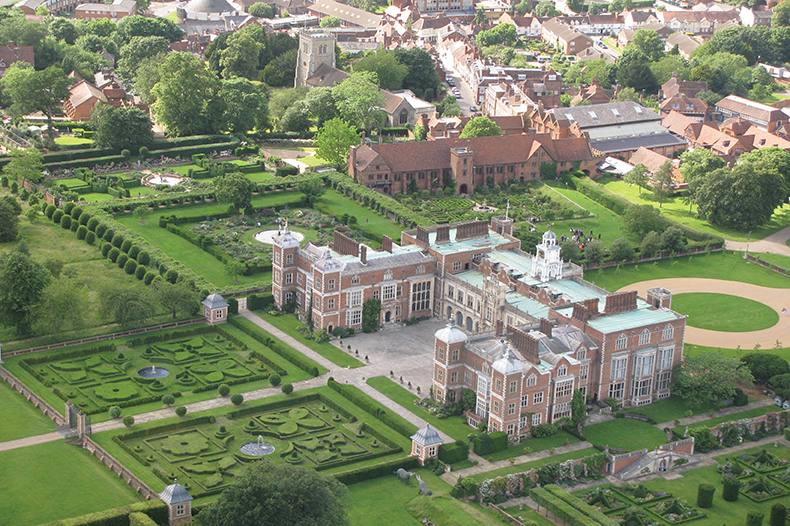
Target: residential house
(594,94)
(441,6)
(751,16)
(349,16)
(526,26)
(688,106)
(564,37)
(654,162)
(636,19)
(763,116)
(114,11)
(781,75)
(675,86)
(697,22)
(12,53)
(686,44)
(592,53)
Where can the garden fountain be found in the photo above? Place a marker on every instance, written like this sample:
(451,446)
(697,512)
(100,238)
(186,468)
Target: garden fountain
(257,449)
(156,179)
(153,372)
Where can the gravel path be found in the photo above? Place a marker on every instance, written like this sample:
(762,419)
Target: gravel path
(777,299)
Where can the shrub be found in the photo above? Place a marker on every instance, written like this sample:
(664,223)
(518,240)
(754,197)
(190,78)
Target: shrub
(171,276)
(76,212)
(778,515)
(544,430)
(130,267)
(168,399)
(149,277)
(108,235)
(68,207)
(126,245)
(115,411)
(134,251)
(65,222)
(237,399)
(122,259)
(126,154)
(73,226)
(705,493)
(117,240)
(732,486)
(90,238)
(224,390)
(143,258)
(82,232)
(740,399)
(113,254)
(451,453)
(144,152)
(128,420)
(275,379)
(84,218)
(287,388)
(181,410)
(140,272)
(482,444)
(50,210)
(92,224)
(754,518)
(57,216)
(105,249)
(101,229)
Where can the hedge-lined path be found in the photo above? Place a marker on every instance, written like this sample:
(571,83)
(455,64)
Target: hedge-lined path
(777,299)
(776,243)
(762,402)
(484,466)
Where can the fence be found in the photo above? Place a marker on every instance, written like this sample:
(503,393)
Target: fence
(104,337)
(36,400)
(506,515)
(116,467)
(769,266)
(659,256)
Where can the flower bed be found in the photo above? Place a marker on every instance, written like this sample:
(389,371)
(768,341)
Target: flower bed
(760,489)
(604,499)
(676,511)
(640,494)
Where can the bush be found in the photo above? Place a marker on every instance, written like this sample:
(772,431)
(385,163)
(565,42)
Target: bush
(274,380)
(237,399)
(82,232)
(705,493)
(732,487)
(68,207)
(482,444)
(126,154)
(90,238)
(754,518)
(740,399)
(128,420)
(65,222)
(544,430)
(168,399)
(121,260)
(171,276)
(134,251)
(109,234)
(144,152)
(778,515)
(101,229)
(143,258)
(57,216)
(76,212)
(287,388)
(451,453)
(130,267)
(113,254)
(117,240)
(92,224)
(126,245)
(140,272)
(50,210)
(224,390)
(115,411)
(149,277)
(181,410)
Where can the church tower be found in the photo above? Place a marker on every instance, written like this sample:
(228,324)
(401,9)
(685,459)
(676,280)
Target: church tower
(547,263)
(316,47)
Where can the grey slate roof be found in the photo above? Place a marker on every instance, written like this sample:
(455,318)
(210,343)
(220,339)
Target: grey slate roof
(427,437)
(175,493)
(607,114)
(214,301)
(633,143)
(209,6)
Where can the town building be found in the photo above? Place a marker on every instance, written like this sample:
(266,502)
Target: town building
(688,106)
(676,86)
(762,116)
(686,44)
(115,11)
(12,53)
(349,16)
(564,37)
(526,330)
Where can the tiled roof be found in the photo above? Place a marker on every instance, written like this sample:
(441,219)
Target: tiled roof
(83,92)
(9,55)
(326,76)
(606,114)
(346,13)
(748,107)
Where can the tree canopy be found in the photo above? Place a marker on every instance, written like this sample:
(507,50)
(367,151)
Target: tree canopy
(765,366)
(480,127)
(31,90)
(334,140)
(641,219)
(22,281)
(135,123)
(234,188)
(359,100)
(709,377)
(389,71)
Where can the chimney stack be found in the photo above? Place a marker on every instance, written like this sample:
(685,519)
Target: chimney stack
(363,254)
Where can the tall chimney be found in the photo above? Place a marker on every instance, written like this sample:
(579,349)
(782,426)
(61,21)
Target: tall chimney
(363,254)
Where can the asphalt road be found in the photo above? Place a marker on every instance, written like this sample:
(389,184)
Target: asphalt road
(467,97)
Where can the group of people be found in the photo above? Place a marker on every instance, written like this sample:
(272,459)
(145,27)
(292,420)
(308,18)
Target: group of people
(578,235)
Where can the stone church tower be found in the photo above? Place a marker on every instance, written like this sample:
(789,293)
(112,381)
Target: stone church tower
(316,47)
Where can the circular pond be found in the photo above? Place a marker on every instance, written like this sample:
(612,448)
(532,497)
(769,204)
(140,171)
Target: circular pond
(153,372)
(257,449)
(267,236)
(155,179)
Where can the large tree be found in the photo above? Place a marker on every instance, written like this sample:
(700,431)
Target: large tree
(359,100)
(321,104)
(25,165)
(334,141)
(186,96)
(234,188)
(633,71)
(29,90)
(649,43)
(177,297)
(9,221)
(388,70)
(764,366)
(246,106)
(133,53)
(241,56)
(22,281)
(63,305)
(637,176)
(422,74)
(135,123)
(641,219)
(480,127)
(697,163)
(279,494)
(662,183)
(709,377)
(129,307)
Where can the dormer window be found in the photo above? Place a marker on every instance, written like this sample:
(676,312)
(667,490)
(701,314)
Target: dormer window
(562,371)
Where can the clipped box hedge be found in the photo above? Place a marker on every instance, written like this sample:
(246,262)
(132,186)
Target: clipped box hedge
(293,356)
(378,470)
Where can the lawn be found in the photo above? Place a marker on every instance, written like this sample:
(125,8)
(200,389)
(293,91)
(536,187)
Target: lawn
(676,210)
(670,409)
(723,312)
(778,349)
(70,140)
(533,445)
(336,204)
(290,325)
(624,433)
(775,259)
(19,417)
(454,426)
(528,514)
(751,413)
(717,265)
(312,160)
(389,501)
(526,466)
(54,481)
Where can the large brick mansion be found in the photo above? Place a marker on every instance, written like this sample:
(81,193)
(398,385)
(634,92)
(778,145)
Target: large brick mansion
(526,330)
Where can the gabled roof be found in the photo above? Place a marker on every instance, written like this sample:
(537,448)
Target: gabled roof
(83,92)
(597,115)
(175,493)
(9,55)
(750,108)
(346,13)
(326,76)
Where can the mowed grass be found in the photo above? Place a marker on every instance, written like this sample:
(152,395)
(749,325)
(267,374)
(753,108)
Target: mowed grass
(20,418)
(624,433)
(716,265)
(775,259)
(526,466)
(533,445)
(54,481)
(290,325)
(778,349)
(675,209)
(454,426)
(723,312)
(670,409)
(70,140)
(751,413)
(336,204)
(388,501)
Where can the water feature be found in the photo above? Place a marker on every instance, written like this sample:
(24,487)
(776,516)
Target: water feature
(153,372)
(257,449)
(267,236)
(155,179)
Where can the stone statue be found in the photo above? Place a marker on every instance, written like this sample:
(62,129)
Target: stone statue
(423,488)
(404,475)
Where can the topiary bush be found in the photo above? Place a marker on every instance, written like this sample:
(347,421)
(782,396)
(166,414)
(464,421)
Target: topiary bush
(705,493)
(57,216)
(113,254)
(92,224)
(115,411)
(82,232)
(168,399)
(76,212)
(130,267)
(287,388)
(732,487)
(778,515)
(754,518)
(143,258)
(122,259)
(65,222)
(134,251)
(128,420)
(171,276)
(224,390)
(68,207)
(275,380)
(140,271)
(105,249)
(149,277)
(126,245)
(117,240)
(237,399)
(144,152)
(181,410)
(90,238)
(50,210)
(84,218)
(74,226)
(101,229)
(109,234)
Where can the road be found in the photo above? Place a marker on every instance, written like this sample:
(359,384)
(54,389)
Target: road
(467,99)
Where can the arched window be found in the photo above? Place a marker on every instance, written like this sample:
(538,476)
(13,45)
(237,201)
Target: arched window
(644,338)
(388,275)
(562,371)
(404,116)
(668,333)
(621,342)
(421,269)
(581,354)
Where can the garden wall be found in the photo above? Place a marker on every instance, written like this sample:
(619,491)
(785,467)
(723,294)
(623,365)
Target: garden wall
(36,400)
(116,467)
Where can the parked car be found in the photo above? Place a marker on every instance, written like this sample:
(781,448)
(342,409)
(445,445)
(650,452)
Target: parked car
(472,108)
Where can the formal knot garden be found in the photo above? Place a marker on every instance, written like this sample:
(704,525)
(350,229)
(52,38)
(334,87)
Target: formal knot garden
(317,429)
(142,370)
